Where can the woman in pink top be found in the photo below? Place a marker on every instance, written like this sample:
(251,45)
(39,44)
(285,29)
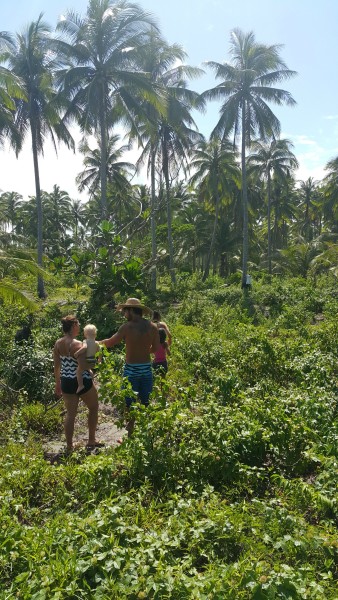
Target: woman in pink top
(160,363)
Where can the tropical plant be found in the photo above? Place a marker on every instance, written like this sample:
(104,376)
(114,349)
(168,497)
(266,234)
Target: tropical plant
(16,263)
(310,205)
(57,210)
(101,81)
(330,194)
(32,60)
(10,204)
(247,88)
(273,159)
(286,211)
(11,88)
(167,134)
(214,166)
(117,169)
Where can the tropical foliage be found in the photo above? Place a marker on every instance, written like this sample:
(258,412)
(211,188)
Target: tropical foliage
(227,489)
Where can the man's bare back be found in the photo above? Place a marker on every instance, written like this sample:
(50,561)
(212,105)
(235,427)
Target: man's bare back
(141,337)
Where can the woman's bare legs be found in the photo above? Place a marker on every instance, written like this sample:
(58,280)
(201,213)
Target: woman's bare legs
(71,403)
(90,399)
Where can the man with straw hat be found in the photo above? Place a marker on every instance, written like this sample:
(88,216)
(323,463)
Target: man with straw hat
(142,338)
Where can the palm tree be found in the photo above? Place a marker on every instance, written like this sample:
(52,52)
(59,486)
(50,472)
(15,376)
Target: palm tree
(11,87)
(116,169)
(10,204)
(214,165)
(286,210)
(77,220)
(330,194)
(308,195)
(102,81)
(167,135)
(33,61)
(272,159)
(246,88)
(57,209)
(14,262)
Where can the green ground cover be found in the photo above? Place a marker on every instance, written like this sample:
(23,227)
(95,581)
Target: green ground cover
(228,488)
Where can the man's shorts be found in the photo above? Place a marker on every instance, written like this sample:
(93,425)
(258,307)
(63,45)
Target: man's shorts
(141,378)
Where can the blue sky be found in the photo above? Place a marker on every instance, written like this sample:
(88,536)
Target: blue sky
(307,30)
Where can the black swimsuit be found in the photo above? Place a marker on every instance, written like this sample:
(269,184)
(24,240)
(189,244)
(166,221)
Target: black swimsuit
(69,382)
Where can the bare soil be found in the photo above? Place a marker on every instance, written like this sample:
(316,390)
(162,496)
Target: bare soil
(107,433)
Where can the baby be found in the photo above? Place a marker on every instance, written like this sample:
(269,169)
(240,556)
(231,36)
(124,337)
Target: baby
(86,355)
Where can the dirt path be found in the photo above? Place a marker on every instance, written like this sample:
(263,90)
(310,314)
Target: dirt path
(106,432)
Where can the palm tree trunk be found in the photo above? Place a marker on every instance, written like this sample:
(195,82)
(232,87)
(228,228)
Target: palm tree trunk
(41,285)
(245,206)
(153,223)
(103,166)
(269,222)
(213,238)
(169,218)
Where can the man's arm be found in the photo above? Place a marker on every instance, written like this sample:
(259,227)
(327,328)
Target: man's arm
(116,338)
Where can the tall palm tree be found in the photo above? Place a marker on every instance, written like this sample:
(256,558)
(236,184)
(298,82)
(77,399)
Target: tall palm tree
(308,196)
(274,158)
(10,204)
(214,163)
(330,194)
(286,210)
(57,209)
(11,87)
(102,80)
(116,169)
(33,61)
(247,87)
(167,135)
(77,221)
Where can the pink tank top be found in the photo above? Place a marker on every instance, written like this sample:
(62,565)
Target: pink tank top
(160,354)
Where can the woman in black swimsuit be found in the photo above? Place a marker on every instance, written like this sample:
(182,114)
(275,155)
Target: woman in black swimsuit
(65,366)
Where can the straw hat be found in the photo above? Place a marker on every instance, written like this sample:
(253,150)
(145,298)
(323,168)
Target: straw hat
(135,303)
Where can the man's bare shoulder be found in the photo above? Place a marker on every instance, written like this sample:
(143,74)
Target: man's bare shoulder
(123,328)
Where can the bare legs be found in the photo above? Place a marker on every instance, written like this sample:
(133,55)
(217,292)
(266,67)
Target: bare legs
(71,403)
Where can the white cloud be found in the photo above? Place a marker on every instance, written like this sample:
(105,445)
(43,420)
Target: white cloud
(304,172)
(302,140)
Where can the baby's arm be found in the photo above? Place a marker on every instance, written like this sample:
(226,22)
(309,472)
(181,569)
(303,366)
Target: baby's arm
(81,351)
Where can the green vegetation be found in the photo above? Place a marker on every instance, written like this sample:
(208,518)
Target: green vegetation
(227,488)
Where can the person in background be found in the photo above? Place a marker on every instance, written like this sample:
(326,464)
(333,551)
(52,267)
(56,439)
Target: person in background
(161,324)
(160,363)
